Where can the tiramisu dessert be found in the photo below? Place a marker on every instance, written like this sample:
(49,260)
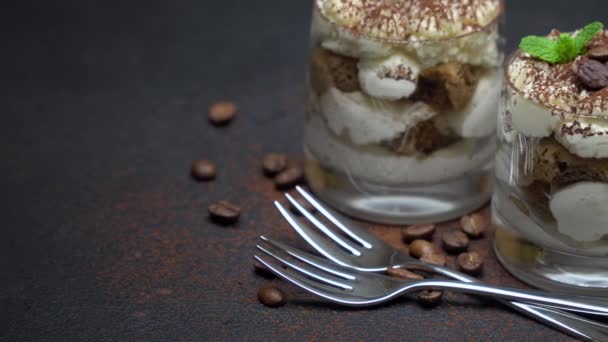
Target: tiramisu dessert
(404,97)
(552,166)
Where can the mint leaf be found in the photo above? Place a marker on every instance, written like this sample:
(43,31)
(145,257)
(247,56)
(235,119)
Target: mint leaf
(540,47)
(586,34)
(565,47)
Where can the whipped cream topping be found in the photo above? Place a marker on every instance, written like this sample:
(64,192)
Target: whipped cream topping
(548,99)
(392,78)
(479,48)
(410,20)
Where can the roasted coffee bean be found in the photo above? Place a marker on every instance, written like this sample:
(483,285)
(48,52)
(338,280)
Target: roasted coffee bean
(470,263)
(203,170)
(274,163)
(224,212)
(475,225)
(592,73)
(419,248)
(221,113)
(436,258)
(418,232)
(429,298)
(304,203)
(289,178)
(599,53)
(455,241)
(271,296)
(402,273)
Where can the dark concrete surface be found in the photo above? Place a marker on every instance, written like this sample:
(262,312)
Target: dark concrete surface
(105,235)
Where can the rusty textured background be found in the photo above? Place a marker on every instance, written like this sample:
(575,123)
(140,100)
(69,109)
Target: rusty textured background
(106,237)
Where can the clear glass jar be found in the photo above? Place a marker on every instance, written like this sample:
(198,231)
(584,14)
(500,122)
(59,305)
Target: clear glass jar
(550,205)
(403,131)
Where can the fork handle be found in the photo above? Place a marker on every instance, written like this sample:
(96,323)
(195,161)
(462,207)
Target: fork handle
(598,306)
(468,279)
(571,324)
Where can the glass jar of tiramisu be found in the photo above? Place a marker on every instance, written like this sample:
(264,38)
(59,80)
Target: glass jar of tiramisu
(551,201)
(401,124)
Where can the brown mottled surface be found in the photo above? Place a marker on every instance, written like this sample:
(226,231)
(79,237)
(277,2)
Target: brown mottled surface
(106,235)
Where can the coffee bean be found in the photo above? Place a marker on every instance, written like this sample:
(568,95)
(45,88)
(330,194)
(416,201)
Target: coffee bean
(475,225)
(436,258)
(224,212)
(419,248)
(221,113)
(470,263)
(203,170)
(429,298)
(289,178)
(416,232)
(402,273)
(455,241)
(592,73)
(274,163)
(304,203)
(271,296)
(599,53)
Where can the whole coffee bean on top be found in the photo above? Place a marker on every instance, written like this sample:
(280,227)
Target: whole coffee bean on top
(402,273)
(289,178)
(474,225)
(429,298)
(419,231)
(599,53)
(221,113)
(203,170)
(470,263)
(455,241)
(274,163)
(593,74)
(224,212)
(419,248)
(271,296)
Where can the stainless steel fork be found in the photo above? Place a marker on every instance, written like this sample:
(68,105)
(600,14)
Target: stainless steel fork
(358,249)
(355,288)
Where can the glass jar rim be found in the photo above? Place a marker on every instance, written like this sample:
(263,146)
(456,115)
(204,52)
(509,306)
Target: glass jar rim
(554,110)
(499,16)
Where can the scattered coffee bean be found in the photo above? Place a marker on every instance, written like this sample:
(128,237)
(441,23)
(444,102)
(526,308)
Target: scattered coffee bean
(455,241)
(203,170)
(221,113)
(224,212)
(436,258)
(418,232)
(419,248)
(402,273)
(475,225)
(599,53)
(470,263)
(429,298)
(273,163)
(304,203)
(271,296)
(289,178)
(592,73)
